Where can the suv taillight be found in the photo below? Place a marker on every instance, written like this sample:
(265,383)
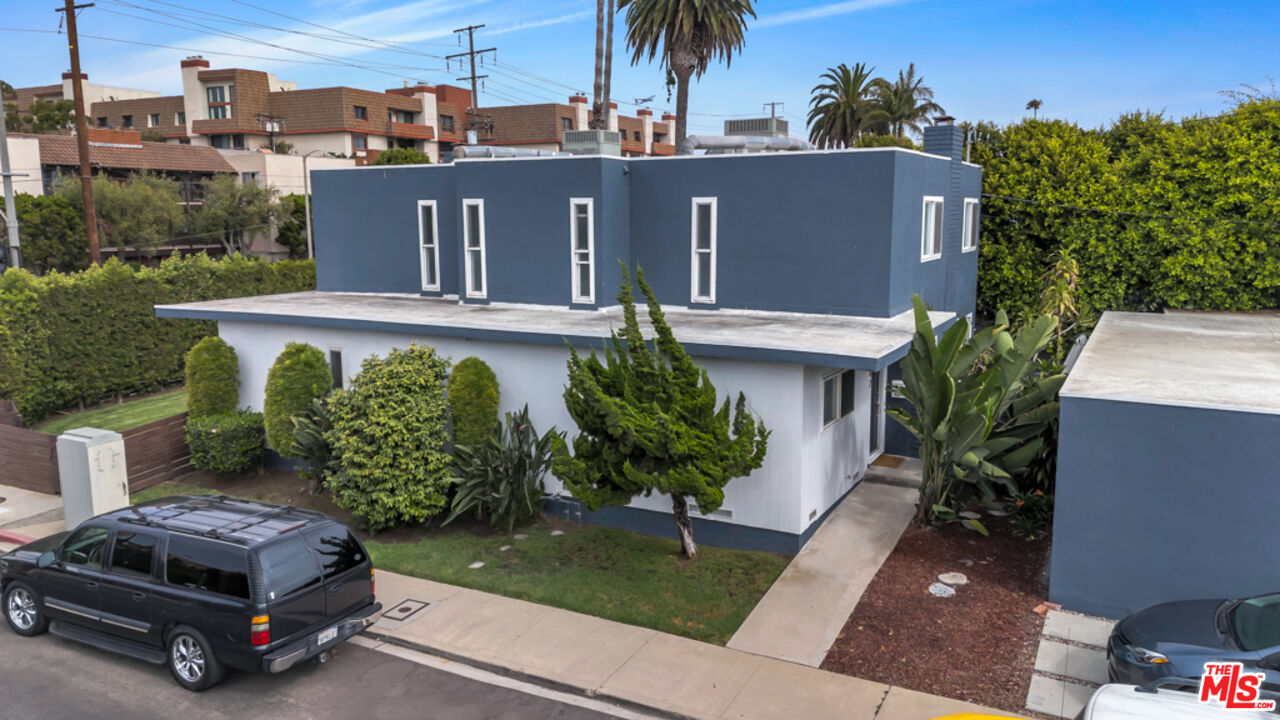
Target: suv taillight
(373,584)
(260,631)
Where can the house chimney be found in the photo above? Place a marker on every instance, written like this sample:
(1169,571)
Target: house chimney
(944,138)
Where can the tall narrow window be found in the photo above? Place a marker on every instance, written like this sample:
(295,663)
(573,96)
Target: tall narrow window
(220,98)
(428,245)
(931,229)
(970,242)
(703,251)
(473,234)
(335,367)
(582,248)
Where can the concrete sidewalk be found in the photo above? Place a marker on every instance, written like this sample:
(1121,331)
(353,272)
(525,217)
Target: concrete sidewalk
(634,666)
(22,508)
(803,612)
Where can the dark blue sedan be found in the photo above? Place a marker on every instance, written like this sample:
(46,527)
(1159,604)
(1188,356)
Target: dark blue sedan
(1178,638)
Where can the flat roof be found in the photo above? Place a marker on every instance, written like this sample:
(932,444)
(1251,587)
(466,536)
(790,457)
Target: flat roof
(1221,361)
(840,341)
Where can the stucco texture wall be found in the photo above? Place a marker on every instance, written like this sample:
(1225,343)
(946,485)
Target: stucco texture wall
(1159,503)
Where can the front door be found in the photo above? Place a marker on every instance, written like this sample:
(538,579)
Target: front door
(877,412)
(71,584)
(127,587)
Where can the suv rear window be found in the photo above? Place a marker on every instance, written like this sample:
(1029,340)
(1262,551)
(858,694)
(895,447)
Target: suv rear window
(288,566)
(336,548)
(207,565)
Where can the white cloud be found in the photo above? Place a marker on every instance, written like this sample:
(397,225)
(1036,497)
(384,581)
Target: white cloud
(818,12)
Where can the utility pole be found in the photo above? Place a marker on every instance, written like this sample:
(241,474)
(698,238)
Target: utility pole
(270,123)
(82,131)
(773,108)
(10,205)
(474,124)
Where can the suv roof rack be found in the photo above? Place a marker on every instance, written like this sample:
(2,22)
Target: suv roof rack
(221,517)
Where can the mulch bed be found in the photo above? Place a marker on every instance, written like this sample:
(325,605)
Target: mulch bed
(978,646)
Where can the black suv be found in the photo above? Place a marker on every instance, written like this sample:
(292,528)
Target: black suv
(200,583)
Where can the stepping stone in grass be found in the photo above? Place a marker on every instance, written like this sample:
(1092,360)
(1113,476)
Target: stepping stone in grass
(557,533)
(476,565)
(954,579)
(504,548)
(942,591)
(520,536)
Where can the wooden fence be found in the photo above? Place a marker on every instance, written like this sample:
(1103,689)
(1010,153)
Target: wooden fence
(154,453)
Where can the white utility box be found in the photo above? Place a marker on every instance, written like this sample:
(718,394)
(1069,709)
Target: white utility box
(92,473)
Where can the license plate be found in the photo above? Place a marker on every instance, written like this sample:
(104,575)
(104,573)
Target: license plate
(327,636)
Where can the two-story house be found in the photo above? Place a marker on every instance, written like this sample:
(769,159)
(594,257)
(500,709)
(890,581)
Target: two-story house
(789,276)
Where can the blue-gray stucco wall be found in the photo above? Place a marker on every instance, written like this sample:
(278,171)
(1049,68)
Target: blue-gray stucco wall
(828,232)
(1157,503)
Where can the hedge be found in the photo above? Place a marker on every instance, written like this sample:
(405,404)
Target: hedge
(86,336)
(473,401)
(299,375)
(229,442)
(213,378)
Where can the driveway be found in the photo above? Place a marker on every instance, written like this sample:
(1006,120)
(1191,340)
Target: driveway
(51,678)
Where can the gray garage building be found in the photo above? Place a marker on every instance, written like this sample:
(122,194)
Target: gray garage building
(1168,485)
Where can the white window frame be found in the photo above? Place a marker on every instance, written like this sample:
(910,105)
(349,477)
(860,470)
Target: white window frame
(838,376)
(924,226)
(435,245)
(153,119)
(467,250)
(694,297)
(590,296)
(969,243)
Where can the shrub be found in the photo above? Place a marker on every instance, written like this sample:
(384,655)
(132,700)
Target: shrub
(299,376)
(473,401)
(402,156)
(213,378)
(80,338)
(229,442)
(388,438)
(310,426)
(502,478)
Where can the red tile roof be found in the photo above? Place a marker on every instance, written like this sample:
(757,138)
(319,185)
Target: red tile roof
(61,150)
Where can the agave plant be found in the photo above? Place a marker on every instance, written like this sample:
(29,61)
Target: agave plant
(501,479)
(979,408)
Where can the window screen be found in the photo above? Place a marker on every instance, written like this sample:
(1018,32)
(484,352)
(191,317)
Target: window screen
(133,554)
(207,565)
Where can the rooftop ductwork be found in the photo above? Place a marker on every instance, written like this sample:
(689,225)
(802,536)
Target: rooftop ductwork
(722,144)
(470,152)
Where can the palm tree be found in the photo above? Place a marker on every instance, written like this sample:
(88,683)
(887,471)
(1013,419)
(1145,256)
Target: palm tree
(845,106)
(1034,107)
(604,66)
(689,34)
(905,101)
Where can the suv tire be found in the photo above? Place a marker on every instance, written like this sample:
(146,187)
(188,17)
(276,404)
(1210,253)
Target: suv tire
(191,660)
(22,610)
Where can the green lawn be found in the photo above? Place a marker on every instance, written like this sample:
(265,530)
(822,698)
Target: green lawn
(124,416)
(635,579)
(173,487)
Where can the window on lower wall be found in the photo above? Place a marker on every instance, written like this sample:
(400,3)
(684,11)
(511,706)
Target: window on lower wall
(931,229)
(359,142)
(970,238)
(582,247)
(335,367)
(473,241)
(838,395)
(126,121)
(428,245)
(153,119)
(446,123)
(702,243)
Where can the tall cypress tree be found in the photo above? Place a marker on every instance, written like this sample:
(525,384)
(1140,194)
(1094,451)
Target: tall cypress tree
(649,422)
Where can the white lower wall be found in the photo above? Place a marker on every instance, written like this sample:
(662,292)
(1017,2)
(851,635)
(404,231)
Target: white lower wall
(805,470)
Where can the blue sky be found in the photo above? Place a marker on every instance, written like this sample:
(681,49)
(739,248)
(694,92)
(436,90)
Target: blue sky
(1088,61)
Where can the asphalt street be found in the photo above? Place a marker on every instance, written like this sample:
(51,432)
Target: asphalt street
(48,678)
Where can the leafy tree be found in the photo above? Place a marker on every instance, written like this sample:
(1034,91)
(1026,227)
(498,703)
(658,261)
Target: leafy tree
(234,213)
(686,35)
(142,212)
(6,91)
(649,422)
(473,401)
(402,156)
(1034,107)
(213,378)
(282,147)
(41,116)
(292,230)
(867,140)
(388,436)
(978,407)
(299,375)
(906,102)
(51,233)
(844,106)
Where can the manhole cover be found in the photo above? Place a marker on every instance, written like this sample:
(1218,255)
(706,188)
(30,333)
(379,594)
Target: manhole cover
(405,609)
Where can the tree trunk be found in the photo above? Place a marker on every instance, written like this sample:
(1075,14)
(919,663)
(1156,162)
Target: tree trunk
(607,74)
(684,526)
(682,66)
(598,88)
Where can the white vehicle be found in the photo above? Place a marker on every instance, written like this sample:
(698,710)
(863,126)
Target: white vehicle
(1164,699)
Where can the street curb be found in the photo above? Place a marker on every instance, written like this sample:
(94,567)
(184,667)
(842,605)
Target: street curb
(15,538)
(525,676)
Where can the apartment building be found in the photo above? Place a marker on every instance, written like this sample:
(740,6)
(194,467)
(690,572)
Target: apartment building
(63,91)
(543,126)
